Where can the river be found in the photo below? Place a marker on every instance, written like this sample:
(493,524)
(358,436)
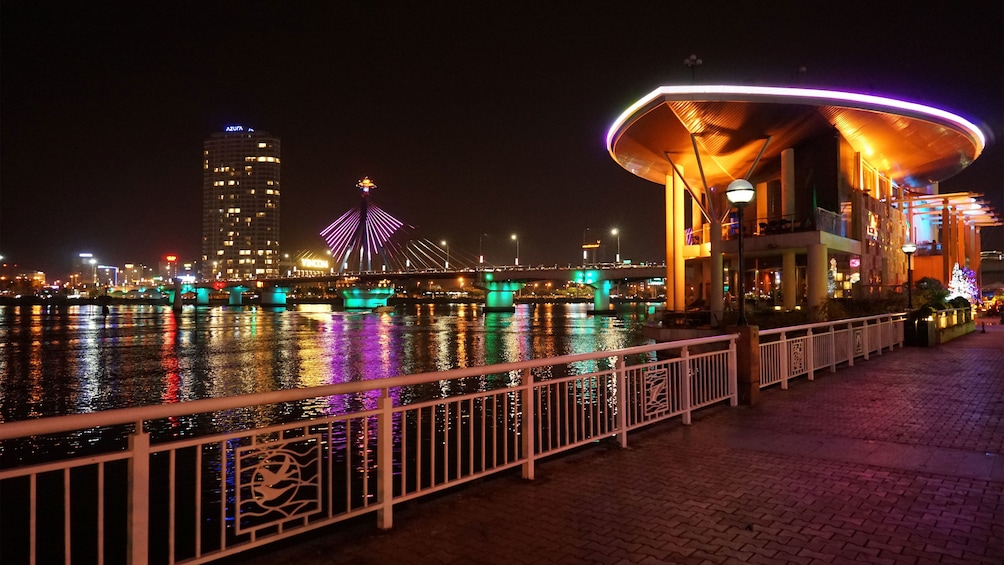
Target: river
(75,360)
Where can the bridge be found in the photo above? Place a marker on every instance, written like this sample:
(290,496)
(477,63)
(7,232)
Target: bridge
(369,289)
(373,251)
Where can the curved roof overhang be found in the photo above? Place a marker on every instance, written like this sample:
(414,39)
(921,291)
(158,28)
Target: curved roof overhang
(912,144)
(974,208)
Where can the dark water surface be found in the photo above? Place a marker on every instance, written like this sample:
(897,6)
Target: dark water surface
(76,360)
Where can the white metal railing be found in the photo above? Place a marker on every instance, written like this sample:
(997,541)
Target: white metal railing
(786,353)
(134,493)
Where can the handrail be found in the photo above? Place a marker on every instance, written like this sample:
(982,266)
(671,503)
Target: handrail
(847,321)
(119,416)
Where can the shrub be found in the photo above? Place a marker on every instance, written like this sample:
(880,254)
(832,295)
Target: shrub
(929,291)
(922,312)
(959,302)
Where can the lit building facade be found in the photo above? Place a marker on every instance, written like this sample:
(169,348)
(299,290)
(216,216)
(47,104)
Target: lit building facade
(842,181)
(240,204)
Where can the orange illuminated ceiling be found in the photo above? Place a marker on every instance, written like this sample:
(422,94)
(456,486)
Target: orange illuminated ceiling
(974,209)
(912,144)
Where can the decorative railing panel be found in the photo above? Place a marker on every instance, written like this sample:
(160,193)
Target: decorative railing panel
(196,494)
(786,353)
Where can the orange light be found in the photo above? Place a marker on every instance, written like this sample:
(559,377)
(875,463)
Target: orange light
(171,258)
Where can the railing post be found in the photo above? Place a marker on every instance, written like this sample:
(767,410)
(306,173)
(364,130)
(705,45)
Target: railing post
(864,338)
(881,341)
(385,463)
(733,385)
(622,403)
(810,355)
(139,496)
(850,344)
(685,384)
(528,424)
(783,354)
(747,363)
(833,348)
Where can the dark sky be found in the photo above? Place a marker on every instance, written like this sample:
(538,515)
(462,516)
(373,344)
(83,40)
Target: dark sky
(472,117)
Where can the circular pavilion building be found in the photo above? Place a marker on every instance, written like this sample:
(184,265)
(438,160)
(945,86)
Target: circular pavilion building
(842,181)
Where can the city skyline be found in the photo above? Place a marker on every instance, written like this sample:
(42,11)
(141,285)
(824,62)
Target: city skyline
(470,122)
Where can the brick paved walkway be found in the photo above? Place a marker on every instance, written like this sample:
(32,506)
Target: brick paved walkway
(899,459)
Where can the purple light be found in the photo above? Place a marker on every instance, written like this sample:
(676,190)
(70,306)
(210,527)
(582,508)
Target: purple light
(802,96)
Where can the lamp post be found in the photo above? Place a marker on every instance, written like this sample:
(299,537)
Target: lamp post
(446,266)
(516,239)
(615,232)
(909,249)
(692,62)
(739,193)
(585,250)
(481,253)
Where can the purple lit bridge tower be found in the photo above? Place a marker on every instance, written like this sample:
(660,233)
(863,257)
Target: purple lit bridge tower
(367,240)
(364,235)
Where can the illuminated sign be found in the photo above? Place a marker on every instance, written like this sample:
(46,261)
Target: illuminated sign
(86,255)
(171,258)
(233,128)
(591,245)
(313,263)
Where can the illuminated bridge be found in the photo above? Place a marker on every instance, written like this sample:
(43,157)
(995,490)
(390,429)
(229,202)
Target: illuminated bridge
(367,290)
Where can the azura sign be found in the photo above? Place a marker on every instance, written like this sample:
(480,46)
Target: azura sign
(233,128)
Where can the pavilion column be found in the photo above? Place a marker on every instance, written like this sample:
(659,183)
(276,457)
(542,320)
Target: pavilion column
(761,204)
(815,275)
(946,244)
(675,239)
(962,253)
(717,292)
(977,258)
(789,286)
(788,184)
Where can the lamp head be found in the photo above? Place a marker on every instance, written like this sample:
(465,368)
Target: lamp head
(909,248)
(740,192)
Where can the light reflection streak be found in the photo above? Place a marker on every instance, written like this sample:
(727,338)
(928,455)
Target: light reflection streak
(79,362)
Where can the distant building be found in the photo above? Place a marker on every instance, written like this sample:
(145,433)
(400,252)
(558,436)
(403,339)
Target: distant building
(84,269)
(240,204)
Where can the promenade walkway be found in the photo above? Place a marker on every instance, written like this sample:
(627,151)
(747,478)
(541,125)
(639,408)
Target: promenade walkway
(899,459)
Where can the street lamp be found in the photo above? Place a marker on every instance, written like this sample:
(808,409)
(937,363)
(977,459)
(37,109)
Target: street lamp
(617,233)
(481,253)
(692,62)
(446,266)
(739,193)
(514,238)
(909,249)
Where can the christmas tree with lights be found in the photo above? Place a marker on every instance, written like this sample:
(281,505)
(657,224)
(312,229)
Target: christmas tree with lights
(963,284)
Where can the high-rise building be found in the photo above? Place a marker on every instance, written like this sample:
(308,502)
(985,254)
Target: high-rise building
(240,204)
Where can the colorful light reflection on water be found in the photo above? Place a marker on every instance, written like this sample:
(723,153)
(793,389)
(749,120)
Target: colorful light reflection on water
(75,360)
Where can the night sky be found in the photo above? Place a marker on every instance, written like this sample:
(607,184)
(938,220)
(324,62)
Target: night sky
(471,117)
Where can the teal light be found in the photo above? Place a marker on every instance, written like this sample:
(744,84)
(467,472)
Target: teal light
(500,294)
(586,277)
(366,298)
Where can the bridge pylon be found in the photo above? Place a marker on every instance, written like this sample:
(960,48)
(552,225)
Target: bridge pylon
(499,295)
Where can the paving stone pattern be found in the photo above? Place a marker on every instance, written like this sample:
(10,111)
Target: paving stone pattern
(899,459)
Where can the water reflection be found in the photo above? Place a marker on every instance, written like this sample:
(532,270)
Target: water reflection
(77,360)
